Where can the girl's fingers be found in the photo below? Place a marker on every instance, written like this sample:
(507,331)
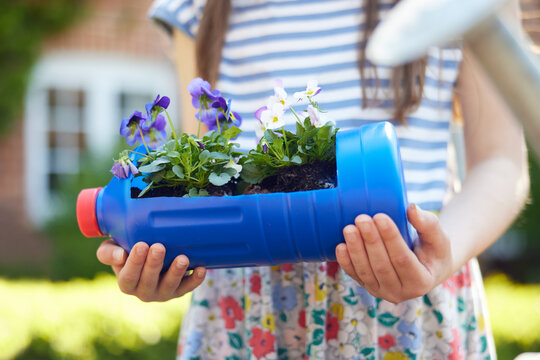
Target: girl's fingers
(173,277)
(151,270)
(344,260)
(111,254)
(190,282)
(426,224)
(359,257)
(129,276)
(376,252)
(402,258)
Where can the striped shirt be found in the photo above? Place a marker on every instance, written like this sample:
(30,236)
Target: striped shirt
(299,40)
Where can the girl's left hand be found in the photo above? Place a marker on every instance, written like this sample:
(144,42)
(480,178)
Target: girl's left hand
(376,256)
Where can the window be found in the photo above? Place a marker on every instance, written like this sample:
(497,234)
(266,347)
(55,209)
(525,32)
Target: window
(74,106)
(65,136)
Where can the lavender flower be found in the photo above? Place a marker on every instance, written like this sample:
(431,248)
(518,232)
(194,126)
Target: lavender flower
(123,166)
(129,128)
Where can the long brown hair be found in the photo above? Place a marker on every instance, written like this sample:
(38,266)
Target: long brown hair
(407,80)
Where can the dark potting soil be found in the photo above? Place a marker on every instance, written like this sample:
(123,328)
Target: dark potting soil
(314,176)
(179,191)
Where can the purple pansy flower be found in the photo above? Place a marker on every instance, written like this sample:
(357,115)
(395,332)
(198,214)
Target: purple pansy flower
(208,117)
(225,114)
(123,167)
(154,132)
(157,106)
(202,95)
(129,128)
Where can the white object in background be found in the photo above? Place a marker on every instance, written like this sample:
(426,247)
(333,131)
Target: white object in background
(415,25)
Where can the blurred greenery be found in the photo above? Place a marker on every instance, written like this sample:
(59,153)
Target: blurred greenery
(523,239)
(24,24)
(92,319)
(84,319)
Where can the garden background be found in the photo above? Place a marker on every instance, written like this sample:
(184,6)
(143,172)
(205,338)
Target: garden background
(69,70)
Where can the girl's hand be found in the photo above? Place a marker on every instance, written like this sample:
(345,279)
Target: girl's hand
(139,273)
(377,257)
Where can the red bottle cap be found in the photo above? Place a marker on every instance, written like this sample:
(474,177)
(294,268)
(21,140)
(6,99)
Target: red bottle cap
(86,212)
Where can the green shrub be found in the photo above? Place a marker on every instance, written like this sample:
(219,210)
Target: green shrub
(514,311)
(84,319)
(92,319)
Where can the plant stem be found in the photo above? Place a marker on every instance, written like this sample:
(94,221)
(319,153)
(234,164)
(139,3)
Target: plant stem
(172,127)
(286,143)
(295,115)
(199,128)
(142,138)
(217,122)
(138,153)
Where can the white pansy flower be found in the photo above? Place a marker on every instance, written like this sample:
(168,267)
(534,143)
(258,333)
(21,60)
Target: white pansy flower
(312,89)
(233,165)
(272,118)
(280,95)
(317,118)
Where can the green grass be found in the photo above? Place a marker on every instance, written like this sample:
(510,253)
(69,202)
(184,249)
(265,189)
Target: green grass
(92,319)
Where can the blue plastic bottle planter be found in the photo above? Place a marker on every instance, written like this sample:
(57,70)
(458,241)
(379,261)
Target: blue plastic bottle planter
(261,229)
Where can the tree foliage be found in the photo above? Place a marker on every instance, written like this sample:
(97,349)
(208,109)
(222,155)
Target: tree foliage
(24,24)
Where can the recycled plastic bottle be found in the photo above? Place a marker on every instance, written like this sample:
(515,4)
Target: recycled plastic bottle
(260,229)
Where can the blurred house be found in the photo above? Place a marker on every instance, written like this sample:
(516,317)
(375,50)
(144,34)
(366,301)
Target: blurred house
(87,79)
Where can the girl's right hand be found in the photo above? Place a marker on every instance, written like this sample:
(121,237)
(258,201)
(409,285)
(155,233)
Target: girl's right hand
(139,273)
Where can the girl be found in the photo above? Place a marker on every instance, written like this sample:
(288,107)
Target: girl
(380,300)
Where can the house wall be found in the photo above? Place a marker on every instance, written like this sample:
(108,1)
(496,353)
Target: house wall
(115,29)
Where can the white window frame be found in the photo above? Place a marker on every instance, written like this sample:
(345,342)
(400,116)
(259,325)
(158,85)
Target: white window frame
(102,78)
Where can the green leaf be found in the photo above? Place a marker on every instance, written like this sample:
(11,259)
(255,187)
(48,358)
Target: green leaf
(318,316)
(219,180)
(296,159)
(178,171)
(387,319)
(235,340)
(460,304)
(204,156)
(351,299)
(252,173)
(231,133)
(318,336)
(218,156)
(152,168)
(438,315)
(145,190)
(173,154)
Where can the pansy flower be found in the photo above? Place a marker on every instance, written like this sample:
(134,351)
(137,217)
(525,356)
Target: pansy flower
(157,106)
(123,167)
(131,127)
(272,117)
(224,112)
(312,89)
(317,117)
(233,165)
(280,95)
(154,132)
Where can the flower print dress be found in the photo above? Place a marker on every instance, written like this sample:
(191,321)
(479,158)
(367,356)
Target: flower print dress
(315,310)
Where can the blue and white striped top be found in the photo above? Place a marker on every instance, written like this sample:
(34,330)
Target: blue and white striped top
(299,40)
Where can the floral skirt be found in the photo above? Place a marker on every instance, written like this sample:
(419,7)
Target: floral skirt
(316,311)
